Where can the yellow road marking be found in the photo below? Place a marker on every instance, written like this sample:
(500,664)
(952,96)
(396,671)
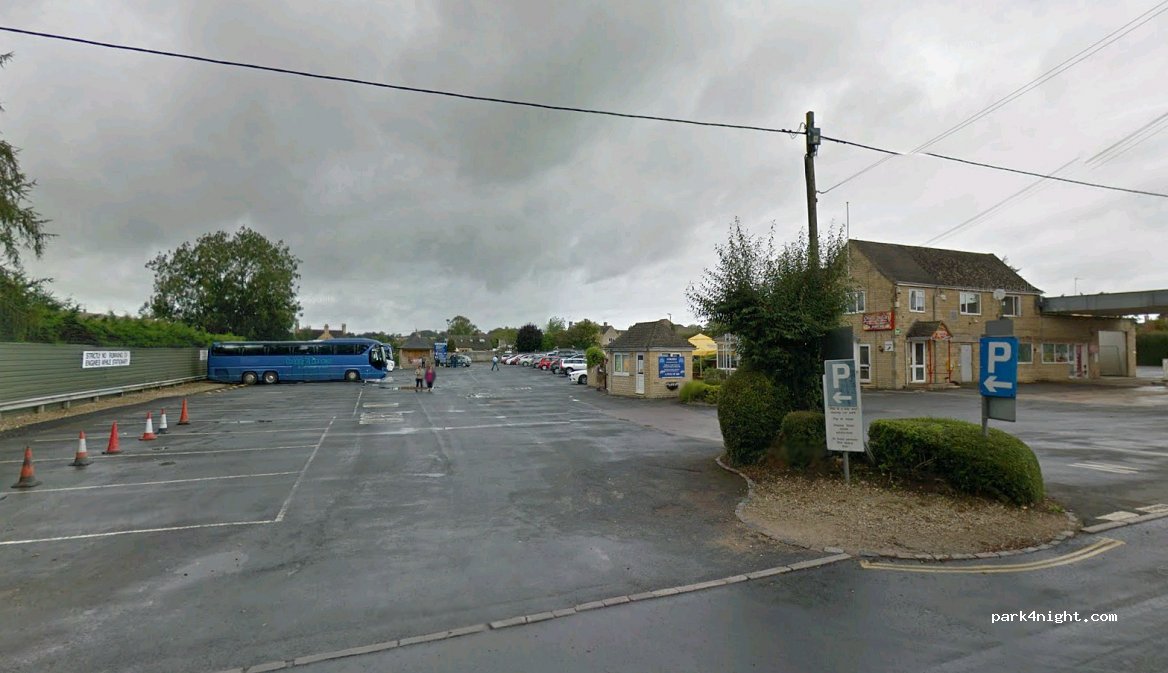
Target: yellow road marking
(1093,549)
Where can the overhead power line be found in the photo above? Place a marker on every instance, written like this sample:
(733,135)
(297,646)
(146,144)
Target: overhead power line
(1084,54)
(559,108)
(383,85)
(994,167)
(985,214)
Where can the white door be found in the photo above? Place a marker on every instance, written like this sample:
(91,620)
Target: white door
(966,363)
(916,361)
(640,373)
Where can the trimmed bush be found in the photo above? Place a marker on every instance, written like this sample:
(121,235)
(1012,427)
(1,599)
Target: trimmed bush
(712,394)
(1000,466)
(750,410)
(803,438)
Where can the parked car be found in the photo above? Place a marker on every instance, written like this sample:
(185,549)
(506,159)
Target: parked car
(544,362)
(579,376)
(458,360)
(567,365)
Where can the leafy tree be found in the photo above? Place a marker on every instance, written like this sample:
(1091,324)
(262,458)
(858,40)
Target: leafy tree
(20,226)
(529,338)
(582,334)
(502,335)
(241,283)
(461,325)
(553,333)
(779,304)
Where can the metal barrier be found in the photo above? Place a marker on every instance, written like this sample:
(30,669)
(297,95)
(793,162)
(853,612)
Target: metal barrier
(66,399)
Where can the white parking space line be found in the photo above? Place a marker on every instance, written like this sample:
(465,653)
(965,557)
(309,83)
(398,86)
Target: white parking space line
(1104,467)
(27,492)
(357,404)
(177,435)
(135,531)
(165,452)
(1118,516)
(1154,509)
(303,471)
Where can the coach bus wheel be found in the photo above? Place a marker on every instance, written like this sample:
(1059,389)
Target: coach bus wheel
(271,377)
(249,378)
(352,375)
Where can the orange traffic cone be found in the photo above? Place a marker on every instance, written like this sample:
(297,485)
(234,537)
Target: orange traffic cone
(162,423)
(112,449)
(149,434)
(27,477)
(81,458)
(183,419)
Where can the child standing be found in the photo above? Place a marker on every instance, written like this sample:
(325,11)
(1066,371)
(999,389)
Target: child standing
(418,378)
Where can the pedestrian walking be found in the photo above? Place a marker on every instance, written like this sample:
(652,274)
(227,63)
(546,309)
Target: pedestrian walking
(418,373)
(430,375)
(495,363)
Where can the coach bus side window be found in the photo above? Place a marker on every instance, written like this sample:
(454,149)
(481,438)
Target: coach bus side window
(252,349)
(280,349)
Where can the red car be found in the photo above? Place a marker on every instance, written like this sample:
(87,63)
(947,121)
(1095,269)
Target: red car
(545,362)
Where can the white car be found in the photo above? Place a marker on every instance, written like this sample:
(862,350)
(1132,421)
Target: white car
(579,376)
(569,365)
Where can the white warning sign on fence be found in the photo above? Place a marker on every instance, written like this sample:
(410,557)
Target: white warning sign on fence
(92,359)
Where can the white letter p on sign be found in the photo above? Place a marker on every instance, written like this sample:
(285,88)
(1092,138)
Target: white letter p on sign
(999,352)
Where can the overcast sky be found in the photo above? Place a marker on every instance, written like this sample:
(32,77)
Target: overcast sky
(408,209)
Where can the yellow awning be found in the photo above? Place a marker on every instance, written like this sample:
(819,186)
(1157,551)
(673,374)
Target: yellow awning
(703,345)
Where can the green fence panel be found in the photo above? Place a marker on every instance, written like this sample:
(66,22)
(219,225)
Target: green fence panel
(39,370)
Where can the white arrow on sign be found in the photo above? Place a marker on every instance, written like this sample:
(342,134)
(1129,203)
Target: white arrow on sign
(992,384)
(840,397)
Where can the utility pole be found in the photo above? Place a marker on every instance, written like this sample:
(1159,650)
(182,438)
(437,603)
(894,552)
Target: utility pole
(809,173)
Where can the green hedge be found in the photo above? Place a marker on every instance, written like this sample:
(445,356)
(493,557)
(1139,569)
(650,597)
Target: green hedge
(698,391)
(750,411)
(803,439)
(1151,348)
(1000,466)
(109,330)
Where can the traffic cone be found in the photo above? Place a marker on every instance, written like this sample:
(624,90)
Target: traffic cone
(27,476)
(183,419)
(149,434)
(112,449)
(162,423)
(81,458)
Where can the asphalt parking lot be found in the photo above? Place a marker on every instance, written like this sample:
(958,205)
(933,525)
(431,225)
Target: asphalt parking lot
(293,519)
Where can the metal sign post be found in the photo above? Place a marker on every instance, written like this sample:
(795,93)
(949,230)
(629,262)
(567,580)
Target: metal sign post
(843,413)
(998,373)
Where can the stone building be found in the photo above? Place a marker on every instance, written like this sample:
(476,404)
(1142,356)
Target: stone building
(648,360)
(918,314)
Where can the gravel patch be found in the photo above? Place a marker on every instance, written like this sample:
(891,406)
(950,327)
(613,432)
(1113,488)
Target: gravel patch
(12,421)
(870,514)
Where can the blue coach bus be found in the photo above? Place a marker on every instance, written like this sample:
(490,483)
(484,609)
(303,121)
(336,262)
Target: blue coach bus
(274,361)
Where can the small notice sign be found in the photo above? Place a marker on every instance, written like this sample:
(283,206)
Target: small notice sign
(94,359)
(671,366)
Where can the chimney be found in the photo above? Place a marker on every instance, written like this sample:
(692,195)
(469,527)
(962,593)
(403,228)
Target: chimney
(343,329)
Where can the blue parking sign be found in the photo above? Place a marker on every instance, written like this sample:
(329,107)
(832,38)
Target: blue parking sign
(999,366)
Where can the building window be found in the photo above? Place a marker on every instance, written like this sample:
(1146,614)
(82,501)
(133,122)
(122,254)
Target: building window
(1056,353)
(1025,354)
(728,353)
(970,303)
(618,364)
(865,363)
(916,301)
(1012,306)
(856,303)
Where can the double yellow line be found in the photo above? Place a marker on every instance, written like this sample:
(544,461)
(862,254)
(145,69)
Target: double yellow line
(1093,549)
